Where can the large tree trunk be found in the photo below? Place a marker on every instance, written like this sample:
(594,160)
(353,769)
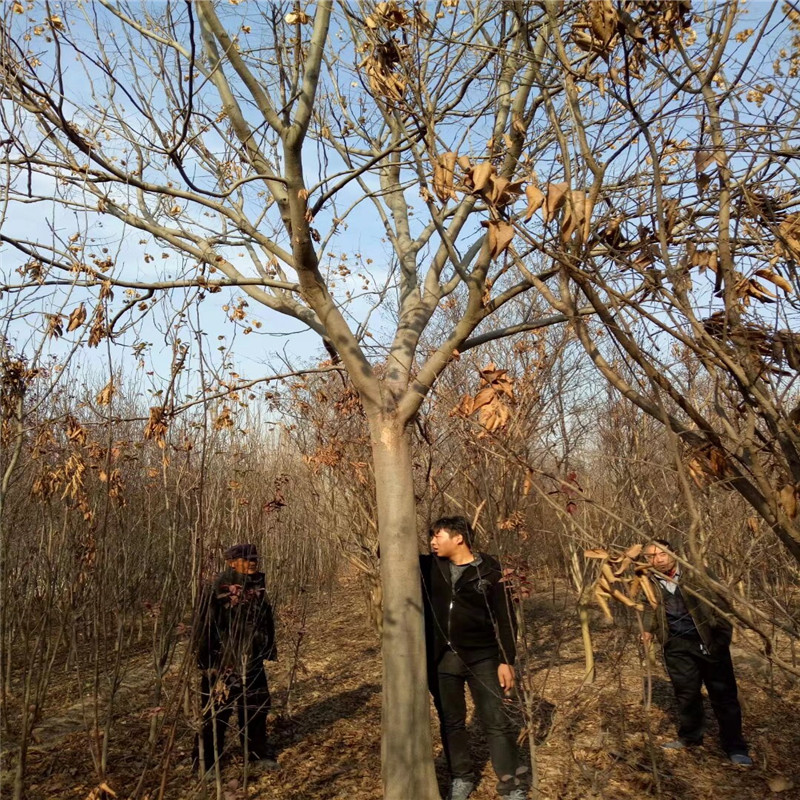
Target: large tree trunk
(406,748)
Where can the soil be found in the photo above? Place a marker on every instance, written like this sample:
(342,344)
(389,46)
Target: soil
(593,741)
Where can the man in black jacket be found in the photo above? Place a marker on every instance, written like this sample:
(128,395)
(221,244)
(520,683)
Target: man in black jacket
(695,635)
(471,640)
(235,635)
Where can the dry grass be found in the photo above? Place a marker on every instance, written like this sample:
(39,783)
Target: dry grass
(599,742)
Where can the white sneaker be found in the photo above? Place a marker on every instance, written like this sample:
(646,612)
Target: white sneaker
(461,789)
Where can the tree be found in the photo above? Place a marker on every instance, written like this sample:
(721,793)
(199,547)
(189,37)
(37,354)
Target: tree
(216,129)
(690,266)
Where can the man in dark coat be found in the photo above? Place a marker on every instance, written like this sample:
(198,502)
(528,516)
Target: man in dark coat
(471,641)
(235,635)
(695,636)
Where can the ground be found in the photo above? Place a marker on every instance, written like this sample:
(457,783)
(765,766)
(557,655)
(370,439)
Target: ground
(594,741)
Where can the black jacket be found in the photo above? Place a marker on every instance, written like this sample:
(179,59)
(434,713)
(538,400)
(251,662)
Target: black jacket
(714,629)
(235,625)
(474,618)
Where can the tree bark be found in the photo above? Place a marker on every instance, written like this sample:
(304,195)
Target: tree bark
(406,746)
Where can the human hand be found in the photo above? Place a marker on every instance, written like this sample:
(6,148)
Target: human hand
(505,674)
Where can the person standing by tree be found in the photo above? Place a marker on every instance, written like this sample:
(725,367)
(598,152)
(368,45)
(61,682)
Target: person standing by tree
(695,637)
(471,641)
(235,636)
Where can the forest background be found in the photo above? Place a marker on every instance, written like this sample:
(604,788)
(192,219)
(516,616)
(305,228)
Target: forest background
(549,252)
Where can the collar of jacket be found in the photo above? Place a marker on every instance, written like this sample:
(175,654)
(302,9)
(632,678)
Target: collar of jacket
(487,566)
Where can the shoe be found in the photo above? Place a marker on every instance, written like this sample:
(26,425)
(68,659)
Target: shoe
(461,789)
(742,759)
(516,794)
(680,744)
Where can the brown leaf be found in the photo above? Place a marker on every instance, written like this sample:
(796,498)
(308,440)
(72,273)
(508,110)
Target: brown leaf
(484,396)
(494,415)
(535,200)
(625,600)
(778,280)
(788,244)
(788,500)
(780,783)
(608,574)
(299,17)
(596,552)
(602,601)
(443,169)
(76,318)
(649,593)
(55,325)
(501,233)
(702,158)
(634,551)
(603,20)
(556,194)
(481,174)
(697,473)
(575,210)
(104,396)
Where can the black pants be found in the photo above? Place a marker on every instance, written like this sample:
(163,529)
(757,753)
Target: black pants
(452,675)
(690,666)
(251,698)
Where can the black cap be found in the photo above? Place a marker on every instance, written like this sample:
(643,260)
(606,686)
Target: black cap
(247,551)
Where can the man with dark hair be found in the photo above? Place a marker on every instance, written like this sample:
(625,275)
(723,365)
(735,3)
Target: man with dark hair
(471,641)
(695,637)
(235,634)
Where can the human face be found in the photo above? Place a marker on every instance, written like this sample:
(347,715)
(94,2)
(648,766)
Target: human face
(445,544)
(245,566)
(660,558)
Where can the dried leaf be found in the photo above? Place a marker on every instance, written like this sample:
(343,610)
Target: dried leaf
(556,194)
(481,174)
(602,601)
(702,158)
(299,17)
(788,500)
(634,551)
(535,200)
(778,280)
(780,783)
(595,553)
(54,325)
(625,600)
(76,318)
(106,394)
(443,170)
(697,473)
(608,574)
(501,233)
(649,592)
(484,396)
(575,213)
(603,20)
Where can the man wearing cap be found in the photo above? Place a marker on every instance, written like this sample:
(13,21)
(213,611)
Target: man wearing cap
(235,635)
